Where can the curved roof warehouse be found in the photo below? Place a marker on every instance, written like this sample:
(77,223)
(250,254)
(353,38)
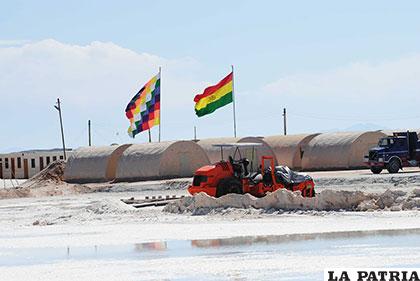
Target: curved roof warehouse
(131,162)
(93,163)
(342,150)
(287,150)
(160,160)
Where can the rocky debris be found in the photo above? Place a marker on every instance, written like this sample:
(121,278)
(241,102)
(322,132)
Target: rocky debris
(368,205)
(48,182)
(396,181)
(53,173)
(282,199)
(176,184)
(109,207)
(42,222)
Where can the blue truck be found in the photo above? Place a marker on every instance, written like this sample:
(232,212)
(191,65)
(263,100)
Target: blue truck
(401,149)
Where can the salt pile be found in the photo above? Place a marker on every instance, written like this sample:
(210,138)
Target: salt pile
(282,199)
(48,182)
(53,173)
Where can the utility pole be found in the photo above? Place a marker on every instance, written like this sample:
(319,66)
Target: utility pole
(58,107)
(89,133)
(160,115)
(284,121)
(233,104)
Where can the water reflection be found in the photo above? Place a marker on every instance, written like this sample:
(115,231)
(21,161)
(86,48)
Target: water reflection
(293,243)
(151,246)
(287,238)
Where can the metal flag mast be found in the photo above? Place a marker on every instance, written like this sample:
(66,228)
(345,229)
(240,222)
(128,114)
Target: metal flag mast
(160,98)
(234,107)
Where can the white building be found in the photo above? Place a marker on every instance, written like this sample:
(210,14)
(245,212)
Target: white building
(25,164)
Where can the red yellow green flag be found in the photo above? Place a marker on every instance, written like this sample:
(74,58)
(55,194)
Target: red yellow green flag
(214,97)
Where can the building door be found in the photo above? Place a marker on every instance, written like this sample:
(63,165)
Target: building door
(1,170)
(41,163)
(12,160)
(111,167)
(25,169)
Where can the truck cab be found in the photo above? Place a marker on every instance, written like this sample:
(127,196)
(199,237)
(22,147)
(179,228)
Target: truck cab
(401,149)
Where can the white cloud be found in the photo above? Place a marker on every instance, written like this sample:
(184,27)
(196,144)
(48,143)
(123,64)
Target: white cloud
(390,79)
(13,42)
(96,73)
(95,81)
(386,93)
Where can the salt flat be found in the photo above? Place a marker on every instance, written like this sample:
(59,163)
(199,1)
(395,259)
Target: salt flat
(72,224)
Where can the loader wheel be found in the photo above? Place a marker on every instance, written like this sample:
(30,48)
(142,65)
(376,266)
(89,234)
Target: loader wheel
(376,169)
(393,166)
(312,194)
(228,185)
(308,192)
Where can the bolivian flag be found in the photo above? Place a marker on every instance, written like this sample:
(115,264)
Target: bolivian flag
(214,97)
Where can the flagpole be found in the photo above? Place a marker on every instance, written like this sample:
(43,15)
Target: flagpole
(150,136)
(234,107)
(160,94)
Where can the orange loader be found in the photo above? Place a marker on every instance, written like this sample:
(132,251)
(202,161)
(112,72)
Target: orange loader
(234,176)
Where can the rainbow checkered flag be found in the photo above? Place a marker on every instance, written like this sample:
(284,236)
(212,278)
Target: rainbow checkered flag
(143,111)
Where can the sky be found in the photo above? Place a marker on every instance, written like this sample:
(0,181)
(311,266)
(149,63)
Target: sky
(334,65)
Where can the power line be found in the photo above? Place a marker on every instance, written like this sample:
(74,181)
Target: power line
(353,118)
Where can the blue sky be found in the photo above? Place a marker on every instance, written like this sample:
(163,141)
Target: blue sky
(332,64)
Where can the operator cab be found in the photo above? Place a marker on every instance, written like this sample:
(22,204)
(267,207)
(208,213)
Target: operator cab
(240,167)
(243,168)
(236,174)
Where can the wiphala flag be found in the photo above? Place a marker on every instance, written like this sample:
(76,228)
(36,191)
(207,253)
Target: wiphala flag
(143,111)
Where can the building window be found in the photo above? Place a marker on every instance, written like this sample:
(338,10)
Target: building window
(54,158)
(6,163)
(48,160)
(32,163)
(61,157)
(19,162)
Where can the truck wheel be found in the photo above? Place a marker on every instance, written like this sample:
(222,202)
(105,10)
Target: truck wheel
(228,185)
(393,166)
(376,170)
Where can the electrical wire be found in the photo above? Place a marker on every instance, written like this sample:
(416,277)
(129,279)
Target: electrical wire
(352,118)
